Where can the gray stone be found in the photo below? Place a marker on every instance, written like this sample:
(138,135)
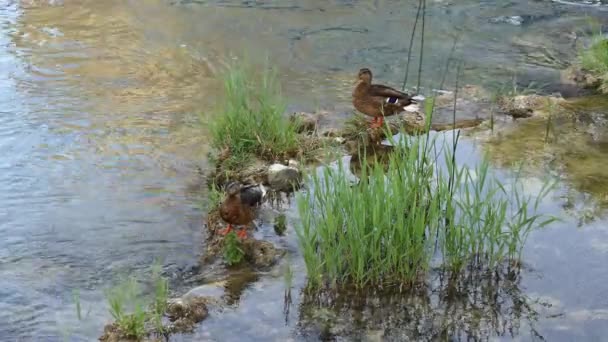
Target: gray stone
(284,178)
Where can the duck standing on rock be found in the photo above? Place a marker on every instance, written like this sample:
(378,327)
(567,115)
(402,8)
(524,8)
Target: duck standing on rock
(239,206)
(378,100)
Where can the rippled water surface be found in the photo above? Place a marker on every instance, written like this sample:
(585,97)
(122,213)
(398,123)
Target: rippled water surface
(101,144)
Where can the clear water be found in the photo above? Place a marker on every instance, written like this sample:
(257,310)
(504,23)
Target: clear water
(101,146)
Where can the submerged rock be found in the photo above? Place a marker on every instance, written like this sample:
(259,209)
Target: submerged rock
(284,178)
(111,333)
(414,121)
(575,75)
(261,253)
(528,105)
(209,291)
(515,20)
(185,313)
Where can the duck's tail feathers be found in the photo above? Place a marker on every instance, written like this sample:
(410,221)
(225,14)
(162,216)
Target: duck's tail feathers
(412,108)
(253,194)
(418,98)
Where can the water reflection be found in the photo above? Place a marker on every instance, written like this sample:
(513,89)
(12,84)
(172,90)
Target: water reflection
(475,306)
(573,145)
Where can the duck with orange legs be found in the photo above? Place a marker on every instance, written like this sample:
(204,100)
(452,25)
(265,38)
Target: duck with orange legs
(379,101)
(239,207)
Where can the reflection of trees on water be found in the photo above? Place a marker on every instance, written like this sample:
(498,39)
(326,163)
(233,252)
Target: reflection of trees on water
(474,305)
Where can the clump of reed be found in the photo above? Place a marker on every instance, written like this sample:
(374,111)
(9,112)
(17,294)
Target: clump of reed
(132,310)
(233,251)
(594,59)
(252,121)
(389,228)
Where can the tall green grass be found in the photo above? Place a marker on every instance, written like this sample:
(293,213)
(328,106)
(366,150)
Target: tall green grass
(390,227)
(127,307)
(595,60)
(132,309)
(252,120)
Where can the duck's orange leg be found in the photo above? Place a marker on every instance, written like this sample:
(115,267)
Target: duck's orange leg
(242,233)
(226,231)
(377,122)
(374,123)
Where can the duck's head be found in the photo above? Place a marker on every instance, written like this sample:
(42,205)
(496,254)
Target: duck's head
(365,75)
(233,188)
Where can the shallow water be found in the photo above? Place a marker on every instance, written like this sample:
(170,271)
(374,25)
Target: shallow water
(101,145)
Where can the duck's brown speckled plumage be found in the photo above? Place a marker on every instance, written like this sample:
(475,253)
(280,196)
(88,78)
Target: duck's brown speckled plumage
(377,100)
(239,206)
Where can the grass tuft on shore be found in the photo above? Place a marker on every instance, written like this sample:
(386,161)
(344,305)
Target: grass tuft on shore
(132,310)
(387,229)
(595,60)
(252,121)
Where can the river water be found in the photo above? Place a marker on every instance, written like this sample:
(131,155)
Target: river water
(101,141)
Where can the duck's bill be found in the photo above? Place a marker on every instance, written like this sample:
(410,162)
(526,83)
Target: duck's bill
(412,108)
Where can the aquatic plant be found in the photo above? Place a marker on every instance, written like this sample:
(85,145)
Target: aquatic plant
(595,60)
(214,197)
(160,300)
(233,253)
(76,297)
(252,121)
(386,229)
(128,309)
(280,224)
(132,309)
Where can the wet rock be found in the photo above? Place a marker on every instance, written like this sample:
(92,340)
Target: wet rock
(515,20)
(414,121)
(529,105)
(113,333)
(293,163)
(211,290)
(184,314)
(468,92)
(261,253)
(518,113)
(304,122)
(284,178)
(575,75)
(254,172)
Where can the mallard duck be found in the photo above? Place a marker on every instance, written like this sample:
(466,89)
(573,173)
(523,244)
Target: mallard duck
(239,206)
(378,100)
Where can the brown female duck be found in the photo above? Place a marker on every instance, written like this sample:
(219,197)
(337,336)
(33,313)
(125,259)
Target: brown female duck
(239,206)
(378,100)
